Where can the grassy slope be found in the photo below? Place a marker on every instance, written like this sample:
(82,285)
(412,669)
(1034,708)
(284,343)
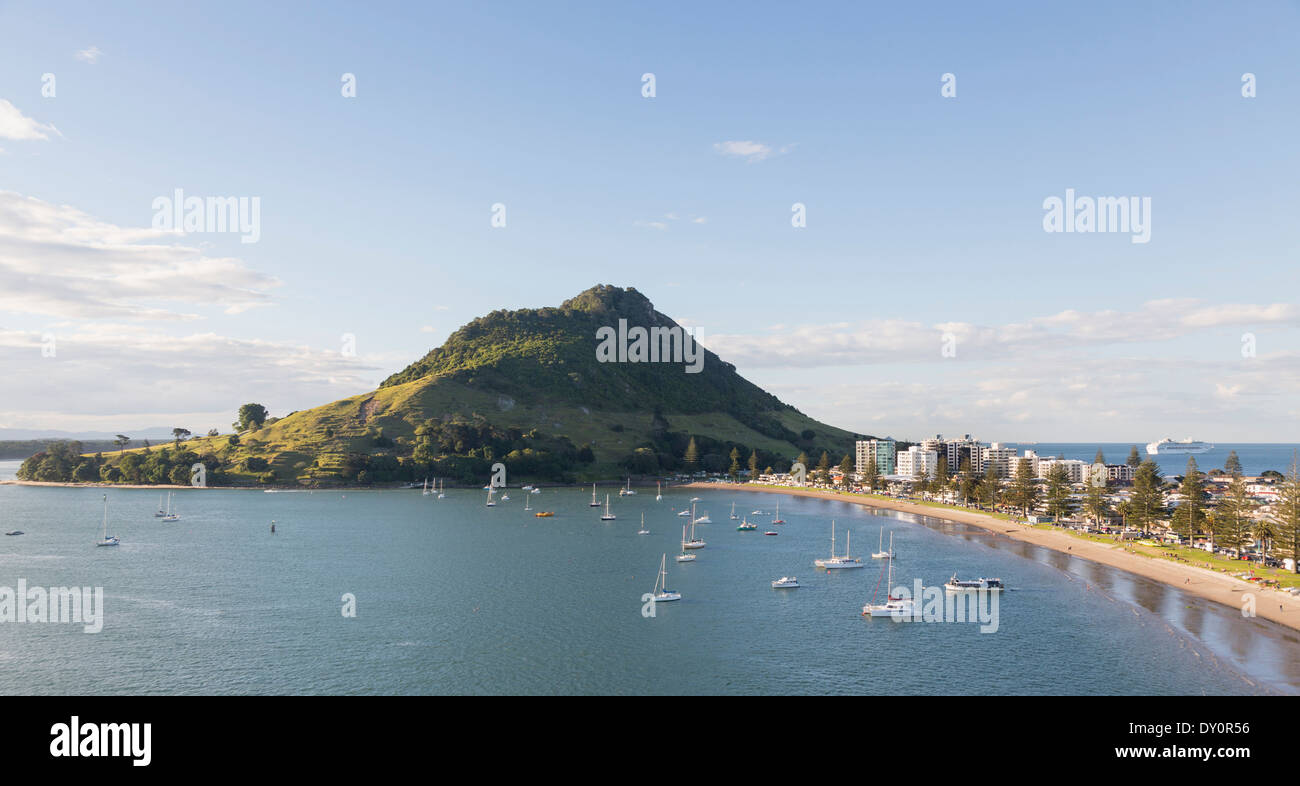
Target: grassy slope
(292,443)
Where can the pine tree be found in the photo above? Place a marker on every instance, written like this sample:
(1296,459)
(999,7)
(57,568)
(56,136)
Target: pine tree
(870,475)
(1100,458)
(1060,504)
(846,472)
(940,484)
(753,466)
(824,468)
(1024,488)
(989,486)
(966,486)
(1134,458)
(734,469)
(1287,518)
(1232,465)
(1147,501)
(1095,503)
(1231,521)
(1189,516)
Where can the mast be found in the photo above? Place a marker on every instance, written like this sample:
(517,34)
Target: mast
(105,517)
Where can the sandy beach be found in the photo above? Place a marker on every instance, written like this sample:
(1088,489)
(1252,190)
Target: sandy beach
(1280,607)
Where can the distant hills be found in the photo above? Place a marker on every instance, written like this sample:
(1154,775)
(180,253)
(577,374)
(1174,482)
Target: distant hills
(524,388)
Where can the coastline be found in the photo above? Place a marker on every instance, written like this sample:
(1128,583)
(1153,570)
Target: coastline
(1280,607)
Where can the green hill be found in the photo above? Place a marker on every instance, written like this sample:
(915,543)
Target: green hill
(524,388)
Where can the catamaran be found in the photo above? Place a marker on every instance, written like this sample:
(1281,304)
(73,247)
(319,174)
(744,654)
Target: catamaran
(661,592)
(897,607)
(880,552)
(839,563)
(594,503)
(107,540)
(607,515)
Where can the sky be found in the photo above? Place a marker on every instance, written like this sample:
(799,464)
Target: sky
(923,294)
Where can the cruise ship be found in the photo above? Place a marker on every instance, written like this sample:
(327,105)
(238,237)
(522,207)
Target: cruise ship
(1168,446)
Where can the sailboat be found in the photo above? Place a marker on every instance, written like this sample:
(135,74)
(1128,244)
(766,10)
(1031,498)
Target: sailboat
(643,530)
(491,503)
(526,506)
(594,503)
(694,542)
(702,519)
(745,526)
(838,562)
(442,490)
(160,512)
(107,540)
(169,515)
(778,519)
(607,515)
(684,556)
(880,552)
(627,492)
(659,495)
(425,492)
(733,511)
(661,592)
(899,608)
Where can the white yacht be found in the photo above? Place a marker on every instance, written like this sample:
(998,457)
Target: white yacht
(955,584)
(491,503)
(627,492)
(786,582)
(169,515)
(896,607)
(661,591)
(839,563)
(659,494)
(733,511)
(107,540)
(880,552)
(607,515)
(594,503)
(685,556)
(694,542)
(643,530)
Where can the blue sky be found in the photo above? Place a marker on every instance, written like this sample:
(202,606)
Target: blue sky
(924,212)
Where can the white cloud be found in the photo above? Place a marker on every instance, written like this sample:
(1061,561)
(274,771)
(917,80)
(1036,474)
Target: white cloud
(748,150)
(90,55)
(20,128)
(58,261)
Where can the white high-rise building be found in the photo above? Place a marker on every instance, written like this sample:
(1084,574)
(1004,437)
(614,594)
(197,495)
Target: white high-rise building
(916,461)
(999,458)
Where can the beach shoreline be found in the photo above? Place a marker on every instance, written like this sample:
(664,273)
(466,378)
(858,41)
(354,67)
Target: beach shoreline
(1280,607)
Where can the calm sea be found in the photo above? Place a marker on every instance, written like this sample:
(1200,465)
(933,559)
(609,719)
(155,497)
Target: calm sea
(454,597)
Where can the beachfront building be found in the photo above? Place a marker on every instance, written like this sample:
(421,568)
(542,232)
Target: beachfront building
(961,450)
(998,457)
(916,462)
(1120,473)
(1013,464)
(1075,469)
(878,451)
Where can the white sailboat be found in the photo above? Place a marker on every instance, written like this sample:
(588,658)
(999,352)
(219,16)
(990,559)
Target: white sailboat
(442,490)
(733,511)
(643,530)
(880,552)
(627,492)
(694,542)
(169,516)
(659,495)
(594,503)
(526,506)
(897,607)
(661,592)
(160,512)
(107,540)
(778,519)
(685,556)
(834,562)
(491,503)
(701,520)
(607,515)
(425,492)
